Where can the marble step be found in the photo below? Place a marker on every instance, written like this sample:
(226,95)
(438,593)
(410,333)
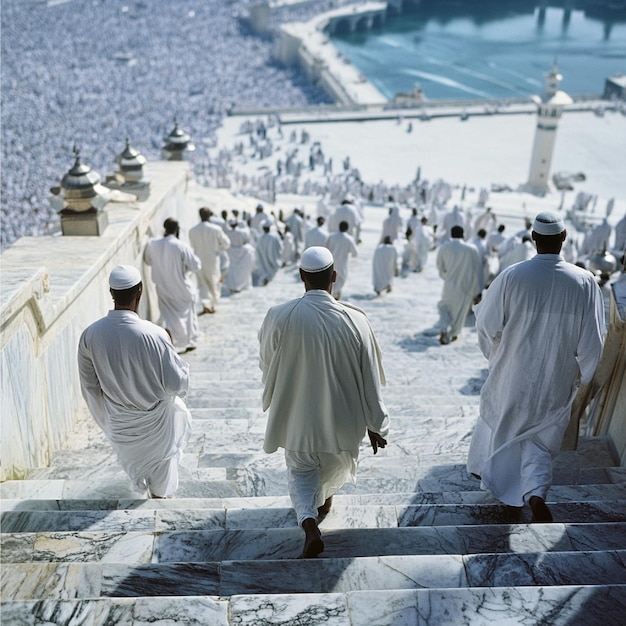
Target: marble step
(342,516)
(30,581)
(231,452)
(403,402)
(557,494)
(268,481)
(146,545)
(559,606)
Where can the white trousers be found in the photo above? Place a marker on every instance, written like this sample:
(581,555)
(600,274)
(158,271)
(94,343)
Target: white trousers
(314,477)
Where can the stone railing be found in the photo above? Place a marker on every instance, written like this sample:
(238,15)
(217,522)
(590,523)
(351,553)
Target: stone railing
(51,288)
(602,403)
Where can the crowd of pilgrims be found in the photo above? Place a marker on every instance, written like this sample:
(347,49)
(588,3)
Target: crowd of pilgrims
(96,72)
(264,242)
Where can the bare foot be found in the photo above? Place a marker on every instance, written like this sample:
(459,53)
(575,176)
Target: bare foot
(313,543)
(541,512)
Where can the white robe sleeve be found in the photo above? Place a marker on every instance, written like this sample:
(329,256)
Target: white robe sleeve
(90,386)
(589,347)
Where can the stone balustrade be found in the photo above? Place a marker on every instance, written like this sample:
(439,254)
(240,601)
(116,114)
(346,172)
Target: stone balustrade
(51,289)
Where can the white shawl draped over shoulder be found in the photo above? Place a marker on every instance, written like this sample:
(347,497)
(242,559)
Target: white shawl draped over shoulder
(322,371)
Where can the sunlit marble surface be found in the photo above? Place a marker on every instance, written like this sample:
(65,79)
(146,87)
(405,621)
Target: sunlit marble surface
(563,606)
(341,575)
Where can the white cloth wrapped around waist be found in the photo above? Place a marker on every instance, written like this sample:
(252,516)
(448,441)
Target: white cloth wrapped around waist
(144,439)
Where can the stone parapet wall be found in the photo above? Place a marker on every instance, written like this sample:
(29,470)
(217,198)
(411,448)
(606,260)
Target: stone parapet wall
(611,378)
(51,288)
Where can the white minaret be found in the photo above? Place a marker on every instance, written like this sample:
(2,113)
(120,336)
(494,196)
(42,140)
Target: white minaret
(549,110)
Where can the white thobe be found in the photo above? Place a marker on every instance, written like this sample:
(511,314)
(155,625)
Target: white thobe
(208,241)
(384,266)
(479,244)
(342,246)
(269,251)
(460,267)
(344,213)
(172,261)
(392,225)
(297,227)
(540,324)
(133,382)
(316,236)
(517,252)
(322,375)
(258,219)
(421,241)
(289,249)
(241,256)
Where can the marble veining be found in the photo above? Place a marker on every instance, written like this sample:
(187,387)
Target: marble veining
(196,611)
(132,547)
(57,521)
(558,606)
(63,581)
(309,610)
(342,575)
(550,568)
(165,579)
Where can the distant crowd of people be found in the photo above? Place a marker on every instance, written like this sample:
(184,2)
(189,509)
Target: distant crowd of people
(233,251)
(96,72)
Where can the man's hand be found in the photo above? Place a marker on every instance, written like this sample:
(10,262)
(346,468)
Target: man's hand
(376,440)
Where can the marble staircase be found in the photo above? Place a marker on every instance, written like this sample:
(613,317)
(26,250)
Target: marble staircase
(415,541)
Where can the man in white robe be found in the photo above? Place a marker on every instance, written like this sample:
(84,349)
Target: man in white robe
(259,218)
(322,375)
(208,241)
(460,267)
(317,235)
(478,242)
(345,212)
(384,266)
(241,257)
(289,254)
(172,262)
(517,250)
(269,254)
(421,241)
(133,382)
(342,246)
(297,227)
(541,326)
(392,224)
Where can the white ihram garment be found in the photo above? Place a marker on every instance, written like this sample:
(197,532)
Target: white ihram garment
(316,236)
(172,261)
(241,257)
(133,382)
(207,241)
(269,255)
(342,246)
(322,372)
(540,324)
(384,266)
(460,268)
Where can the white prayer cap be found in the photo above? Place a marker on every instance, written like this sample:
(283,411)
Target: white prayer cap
(266,224)
(547,223)
(316,259)
(124,277)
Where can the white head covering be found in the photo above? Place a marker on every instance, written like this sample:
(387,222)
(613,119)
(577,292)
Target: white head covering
(124,277)
(316,259)
(547,223)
